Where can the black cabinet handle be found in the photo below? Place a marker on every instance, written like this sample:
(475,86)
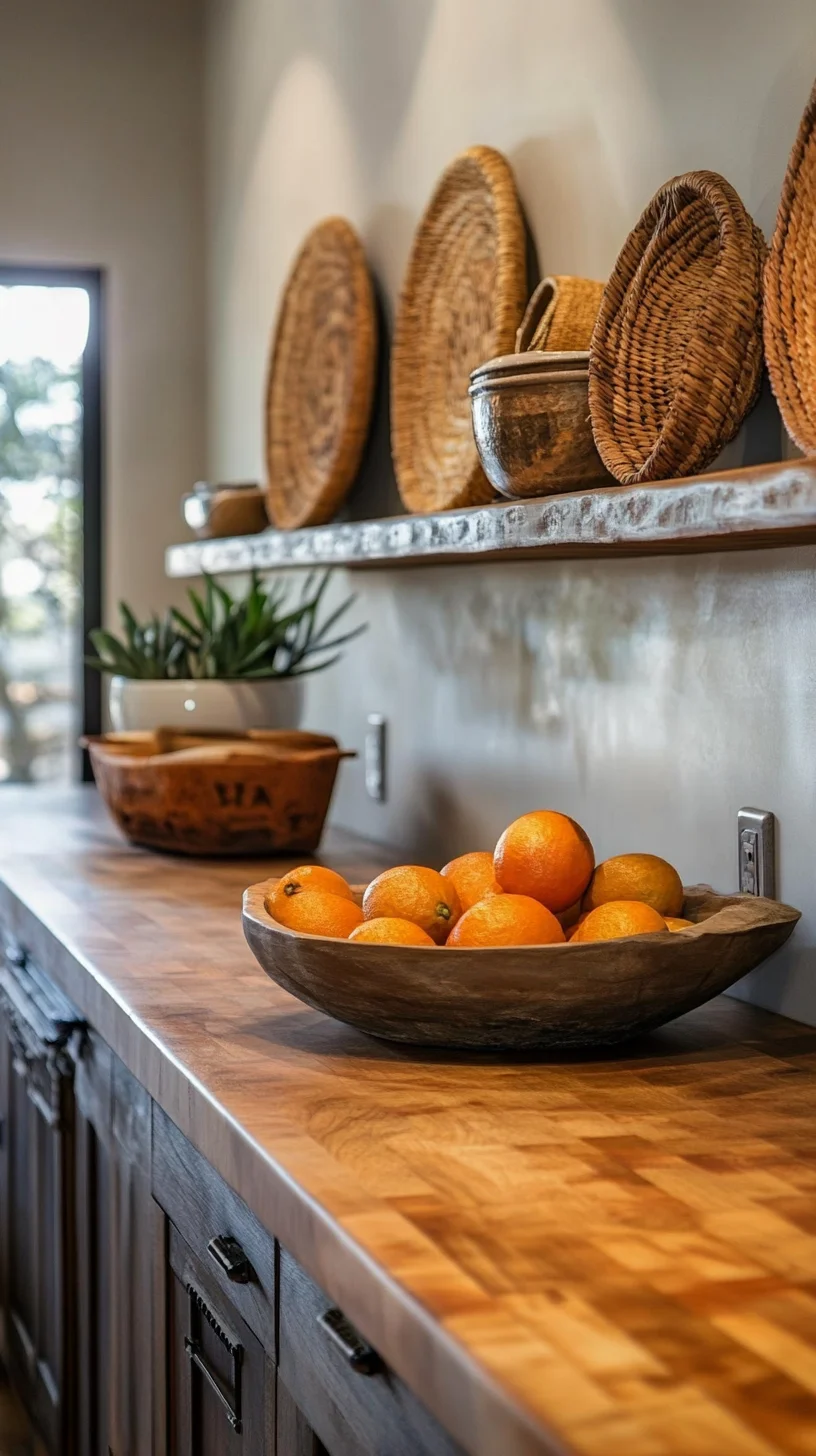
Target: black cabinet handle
(200,1311)
(227,1253)
(361,1357)
(197,1358)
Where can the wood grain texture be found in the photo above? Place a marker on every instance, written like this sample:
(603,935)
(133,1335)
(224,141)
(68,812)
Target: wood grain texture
(354,1414)
(730,510)
(610,1255)
(524,996)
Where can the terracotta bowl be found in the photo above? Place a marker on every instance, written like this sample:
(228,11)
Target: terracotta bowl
(259,793)
(225,510)
(555,996)
(531,424)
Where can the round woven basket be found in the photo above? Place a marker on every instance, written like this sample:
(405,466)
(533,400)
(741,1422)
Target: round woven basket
(320,386)
(560,316)
(461,303)
(790,290)
(676,354)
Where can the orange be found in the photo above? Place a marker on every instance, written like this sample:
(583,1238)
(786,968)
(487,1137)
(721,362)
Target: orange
(616,919)
(676,922)
(644,877)
(413,892)
(472,877)
(506,920)
(389,930)
(306,877)
(316,912)
(545,855)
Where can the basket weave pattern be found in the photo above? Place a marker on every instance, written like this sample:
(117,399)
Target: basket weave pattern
(561,315)
(676,355)
(461,303)
(320,387)
(790,290)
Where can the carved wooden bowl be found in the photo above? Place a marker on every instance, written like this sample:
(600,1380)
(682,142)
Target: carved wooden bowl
(555,996)
(260,793)
(531,424)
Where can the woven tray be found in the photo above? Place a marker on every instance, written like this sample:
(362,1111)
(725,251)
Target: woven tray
(790,290)
(320,387)
(461,303)
(676,355)
(560,316)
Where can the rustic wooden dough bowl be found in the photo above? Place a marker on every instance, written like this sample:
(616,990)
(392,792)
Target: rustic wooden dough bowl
(555,996)
(263,793)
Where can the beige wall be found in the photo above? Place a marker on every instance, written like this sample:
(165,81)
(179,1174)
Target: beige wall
(651,698)
(101,165)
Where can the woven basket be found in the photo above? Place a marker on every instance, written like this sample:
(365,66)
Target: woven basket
(790,290)
(320,387)
(676,354)
(560,316)
(461,303)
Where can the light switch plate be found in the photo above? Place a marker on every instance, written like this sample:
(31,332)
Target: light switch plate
(756,831)
(375,757)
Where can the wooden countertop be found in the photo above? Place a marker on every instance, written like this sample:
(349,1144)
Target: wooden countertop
(612,1256)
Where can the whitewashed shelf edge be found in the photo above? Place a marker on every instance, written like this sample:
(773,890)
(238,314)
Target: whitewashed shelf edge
(764,505)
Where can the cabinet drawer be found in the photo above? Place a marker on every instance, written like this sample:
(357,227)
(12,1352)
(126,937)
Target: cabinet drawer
(353,1413)
(222,1387)
(221,1231)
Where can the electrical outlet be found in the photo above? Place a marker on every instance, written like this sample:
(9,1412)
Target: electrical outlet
(375,757)
(757,852)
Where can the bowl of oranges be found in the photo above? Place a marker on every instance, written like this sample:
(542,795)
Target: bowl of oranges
(530,945)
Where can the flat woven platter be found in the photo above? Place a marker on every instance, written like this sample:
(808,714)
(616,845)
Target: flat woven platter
(553,996)
(676,354)
(461,303)
(790,290)
(320,386)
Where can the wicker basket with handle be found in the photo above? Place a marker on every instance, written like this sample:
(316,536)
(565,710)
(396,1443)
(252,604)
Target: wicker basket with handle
(461,303)
(790,290)
(561,315)
(676,355)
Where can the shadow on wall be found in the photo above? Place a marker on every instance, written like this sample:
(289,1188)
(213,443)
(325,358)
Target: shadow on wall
(570,224)
(741,45)
(375,490)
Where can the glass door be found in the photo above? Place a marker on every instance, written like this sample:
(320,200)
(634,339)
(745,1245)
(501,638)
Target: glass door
(50,510)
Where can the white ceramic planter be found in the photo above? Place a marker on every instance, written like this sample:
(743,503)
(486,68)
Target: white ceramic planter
(138,704)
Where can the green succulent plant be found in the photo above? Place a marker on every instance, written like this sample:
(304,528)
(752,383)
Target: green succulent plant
(258,635)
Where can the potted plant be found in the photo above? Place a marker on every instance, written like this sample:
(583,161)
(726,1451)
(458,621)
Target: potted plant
(229,664)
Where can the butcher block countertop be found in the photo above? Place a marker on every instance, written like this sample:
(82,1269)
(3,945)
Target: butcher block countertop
(610,1255)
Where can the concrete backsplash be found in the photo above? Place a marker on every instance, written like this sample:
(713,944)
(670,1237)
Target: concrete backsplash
(649,698)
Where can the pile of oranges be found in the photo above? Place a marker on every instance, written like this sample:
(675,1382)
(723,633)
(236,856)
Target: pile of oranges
(539,887)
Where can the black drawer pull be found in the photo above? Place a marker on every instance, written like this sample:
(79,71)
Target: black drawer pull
(197,1358)
(360,1355)
(230,1257)
(200,1311)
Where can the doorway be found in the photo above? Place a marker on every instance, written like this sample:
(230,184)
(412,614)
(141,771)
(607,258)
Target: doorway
(50,519)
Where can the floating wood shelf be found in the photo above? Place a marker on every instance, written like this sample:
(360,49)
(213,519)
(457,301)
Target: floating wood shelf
(763,505)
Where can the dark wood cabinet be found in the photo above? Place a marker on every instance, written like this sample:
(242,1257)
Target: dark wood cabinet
(295,1436)
(37,1026)
(356,1405)
(113,1255)
(146,1310)
(221,1383)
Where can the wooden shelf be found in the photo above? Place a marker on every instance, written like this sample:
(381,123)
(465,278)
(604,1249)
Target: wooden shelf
(764,505)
